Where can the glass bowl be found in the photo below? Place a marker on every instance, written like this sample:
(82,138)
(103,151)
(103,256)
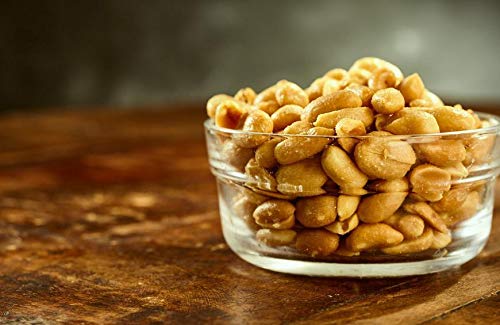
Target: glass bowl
(421,223)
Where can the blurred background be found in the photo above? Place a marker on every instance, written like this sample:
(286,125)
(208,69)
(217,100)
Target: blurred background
(84,54)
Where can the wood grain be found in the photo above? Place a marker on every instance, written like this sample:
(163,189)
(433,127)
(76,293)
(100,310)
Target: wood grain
(110,216)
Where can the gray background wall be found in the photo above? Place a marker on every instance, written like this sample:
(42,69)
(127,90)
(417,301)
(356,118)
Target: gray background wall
(136,53)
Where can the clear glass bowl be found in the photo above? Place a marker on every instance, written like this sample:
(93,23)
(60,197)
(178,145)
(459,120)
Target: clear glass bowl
(466,209)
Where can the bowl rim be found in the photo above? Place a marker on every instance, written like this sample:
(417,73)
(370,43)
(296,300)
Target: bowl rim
(494,128)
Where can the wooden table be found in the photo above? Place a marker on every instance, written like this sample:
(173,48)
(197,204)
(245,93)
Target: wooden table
(110,216)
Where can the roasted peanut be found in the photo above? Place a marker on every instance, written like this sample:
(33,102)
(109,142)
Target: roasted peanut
(428,179)
(330,120)
(268,94)
(345,226)
(441,152)
(421,102)
(318,211)
(479,149)
(450,118)
(285,116)
(276,237)
(259,176)
(324,104)
(230,114)
(317,242)
(338,75)
(303,178)
(331,85)
(452,200)
(346,128)
(363,69)
(413,121)
(365,93)
(244,209)
(413,245)
(298,148)
(388,101)
(346,206)
(388,186)
(275,214)
(427,213)
(256,121)
(433,98)
(264,155)
(378,207)
(381,120)
(441,239)
(383,78)
(297,127)
(214,101)
(470,206)
(251,196)
(385,158)
(290,93)
(341,169)
(371,236)
(410,225)
(235,155)
(246,95)
(412,87)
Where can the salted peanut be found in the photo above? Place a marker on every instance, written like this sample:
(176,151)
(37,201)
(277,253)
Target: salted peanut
(338,74)
(388,101)
(412,87)
(298,148)
(457,170)
(479,149)
(468,209)
(244,208)
(384,158)
(365,93)
(441,239)
(383,78)
(371,236)
(427,213)
(303,178)
(341,169)
(275,214)
(268,106)
(415,245)
(363,69)
(346,206)
(276,237)
(388,186)
(452,200)
(264,155)
(441,152)
(451,118)
(318,211)
(413,122)
(235,155)
(330,120)
(324,104)
(230,114)
(256,121)
(317,242)
(479,123)
(285,116)
(214,101)
(421,102)
(259,177)
(246,95)
(410,225)
(268,94)
(378,207)
(331,85)
(348,128)
(345,226)
(315,90)
(290,93)
(428,178)
(297,127)
(251,196)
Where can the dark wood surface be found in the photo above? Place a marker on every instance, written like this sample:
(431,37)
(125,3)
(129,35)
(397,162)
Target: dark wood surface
(111,216)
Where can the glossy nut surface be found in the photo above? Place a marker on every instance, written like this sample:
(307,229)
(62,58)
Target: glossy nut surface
(346,129)
(412,87)
(275,214)
(317,211)
(388,101)
(330,120)
(441,152)
(259,177)
(378,207)
(290,93)
(276,237)
(296,149)
(264,154)
(428,179)
(246,95)
(214,101)
(412,121)
(347,206)
(317,242)
(256,121)
(345,226)
(370,236)
(285,116)
(303,178)
(414,245)
(235,155)
(331,102)
(341,169)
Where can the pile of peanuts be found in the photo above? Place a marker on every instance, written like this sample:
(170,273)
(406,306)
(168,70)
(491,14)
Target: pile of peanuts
(326,175)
